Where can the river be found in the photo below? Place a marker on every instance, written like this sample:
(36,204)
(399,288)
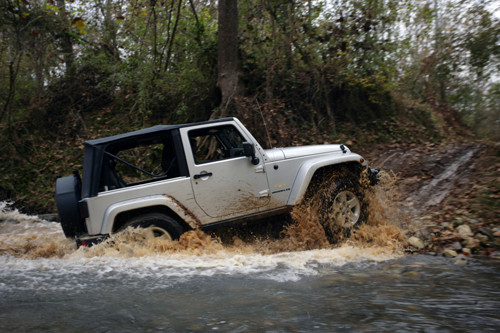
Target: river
(47,285)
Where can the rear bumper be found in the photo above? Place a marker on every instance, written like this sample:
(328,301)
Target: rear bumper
(89,241)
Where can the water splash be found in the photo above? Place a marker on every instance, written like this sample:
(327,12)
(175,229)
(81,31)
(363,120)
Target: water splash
(301,245)
(30,237)
(383,222)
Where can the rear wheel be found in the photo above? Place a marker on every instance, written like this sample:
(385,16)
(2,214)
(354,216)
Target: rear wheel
(162,225)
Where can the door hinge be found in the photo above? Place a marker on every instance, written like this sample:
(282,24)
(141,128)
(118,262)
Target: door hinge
(259,168)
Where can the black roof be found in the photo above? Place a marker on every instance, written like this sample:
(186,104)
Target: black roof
(94,151)
(147,131)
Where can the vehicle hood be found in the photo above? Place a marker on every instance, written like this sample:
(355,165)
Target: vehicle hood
(277,154)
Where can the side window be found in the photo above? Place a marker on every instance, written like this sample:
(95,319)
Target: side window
(137,162)
(143,163)
(216,143)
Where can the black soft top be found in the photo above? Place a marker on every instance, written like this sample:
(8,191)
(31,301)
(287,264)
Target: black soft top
(146,132)
(94,151)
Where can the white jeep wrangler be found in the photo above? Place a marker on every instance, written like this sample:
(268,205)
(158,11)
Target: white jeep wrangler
(175,178)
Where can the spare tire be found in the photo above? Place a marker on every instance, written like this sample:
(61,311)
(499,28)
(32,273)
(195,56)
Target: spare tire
(68,194)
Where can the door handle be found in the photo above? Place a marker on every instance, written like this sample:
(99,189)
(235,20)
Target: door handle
(203,174)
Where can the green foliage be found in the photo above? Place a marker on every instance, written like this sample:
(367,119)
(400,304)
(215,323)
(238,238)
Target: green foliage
(316,71)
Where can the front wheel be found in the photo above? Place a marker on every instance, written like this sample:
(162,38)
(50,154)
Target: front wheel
(343,208)
(162,225)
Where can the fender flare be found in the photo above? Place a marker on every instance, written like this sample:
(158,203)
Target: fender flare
(144,202)
(308,169)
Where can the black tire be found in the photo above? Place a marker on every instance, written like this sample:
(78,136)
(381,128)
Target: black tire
(343,208)
(163,225)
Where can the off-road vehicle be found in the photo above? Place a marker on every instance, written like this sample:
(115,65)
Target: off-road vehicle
(175,178)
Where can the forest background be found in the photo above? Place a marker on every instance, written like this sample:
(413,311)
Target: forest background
(353,71)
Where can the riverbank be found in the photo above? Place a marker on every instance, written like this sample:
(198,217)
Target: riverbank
(450,192)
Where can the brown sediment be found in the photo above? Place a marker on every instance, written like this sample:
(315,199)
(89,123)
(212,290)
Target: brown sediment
(386,224)
(306,231)
(383,223)
(34,246)
(185,210)
(382,231)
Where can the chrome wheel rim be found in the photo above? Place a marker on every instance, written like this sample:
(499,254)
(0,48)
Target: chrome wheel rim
(346,209)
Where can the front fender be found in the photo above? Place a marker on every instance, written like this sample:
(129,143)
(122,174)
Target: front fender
(150,201)
(307,170)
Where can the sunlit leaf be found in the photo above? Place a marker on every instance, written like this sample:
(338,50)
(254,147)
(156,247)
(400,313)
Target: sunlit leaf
(79,24)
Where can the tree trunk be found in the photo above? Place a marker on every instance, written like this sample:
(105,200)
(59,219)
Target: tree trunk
(66,43)
(171,41)
(110,30)
(227,62)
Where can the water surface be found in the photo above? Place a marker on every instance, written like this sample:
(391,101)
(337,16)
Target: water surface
(48,285)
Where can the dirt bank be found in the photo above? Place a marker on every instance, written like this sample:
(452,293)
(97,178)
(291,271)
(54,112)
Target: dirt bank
(450,192)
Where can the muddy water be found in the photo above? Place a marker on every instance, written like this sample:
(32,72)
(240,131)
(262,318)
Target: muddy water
(298,283)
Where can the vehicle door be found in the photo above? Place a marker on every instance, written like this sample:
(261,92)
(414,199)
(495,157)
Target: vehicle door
(224,181)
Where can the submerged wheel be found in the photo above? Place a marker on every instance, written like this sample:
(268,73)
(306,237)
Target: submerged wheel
(343,207)
(162,225)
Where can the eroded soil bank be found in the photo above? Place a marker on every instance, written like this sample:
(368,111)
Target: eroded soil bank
(450,193)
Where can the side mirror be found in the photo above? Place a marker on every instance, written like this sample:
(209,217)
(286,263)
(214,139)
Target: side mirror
(249,151)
